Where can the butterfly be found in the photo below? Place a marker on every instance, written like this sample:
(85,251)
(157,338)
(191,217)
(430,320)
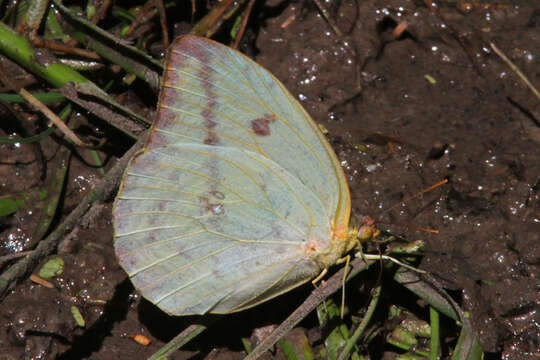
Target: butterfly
(237,196)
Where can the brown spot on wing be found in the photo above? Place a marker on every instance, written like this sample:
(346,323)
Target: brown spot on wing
(207,114)
(208,207)
(188,54)
(210,139)
(261,126)
(217,209)
(217,194)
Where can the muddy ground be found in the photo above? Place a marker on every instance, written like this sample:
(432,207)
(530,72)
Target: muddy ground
(450,109)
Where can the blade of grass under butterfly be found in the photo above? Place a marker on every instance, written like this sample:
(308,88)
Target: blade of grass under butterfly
(468,347)
(376,293)
(44,97)
(434,336)
(12,203)
(29,139)
(178,341)
(54,191)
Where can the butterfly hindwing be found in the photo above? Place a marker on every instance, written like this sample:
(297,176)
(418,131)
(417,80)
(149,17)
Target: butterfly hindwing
(208,228)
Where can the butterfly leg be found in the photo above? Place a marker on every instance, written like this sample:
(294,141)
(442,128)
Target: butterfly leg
(389,258)
(319,277)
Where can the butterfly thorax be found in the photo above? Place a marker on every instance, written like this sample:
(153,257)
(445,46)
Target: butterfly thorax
(342,242)
(326,254)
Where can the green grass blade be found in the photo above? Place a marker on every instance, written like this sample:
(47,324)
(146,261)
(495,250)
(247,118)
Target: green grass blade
(288,350)
(54,190)
(44,97)
(434,338)
(178,341)
(363,325)
(12,203)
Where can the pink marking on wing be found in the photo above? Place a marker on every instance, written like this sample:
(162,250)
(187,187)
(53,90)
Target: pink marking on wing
(261,126)
(217,194)
(210,139)
(208,207)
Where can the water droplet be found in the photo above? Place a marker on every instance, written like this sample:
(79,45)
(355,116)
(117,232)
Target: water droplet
(371,168)
(217,209)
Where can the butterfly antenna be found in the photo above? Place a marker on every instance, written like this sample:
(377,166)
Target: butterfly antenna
(378,138)
(428,189)
(412,227)
(391,147)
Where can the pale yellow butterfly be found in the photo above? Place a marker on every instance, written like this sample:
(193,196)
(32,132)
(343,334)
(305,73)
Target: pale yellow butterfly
(237,196)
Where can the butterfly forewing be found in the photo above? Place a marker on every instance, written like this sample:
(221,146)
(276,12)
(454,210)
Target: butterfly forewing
(215,95)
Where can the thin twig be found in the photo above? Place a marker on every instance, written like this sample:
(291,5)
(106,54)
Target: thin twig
(462,41)
(9,257)
(36,279)
(245,19)
(101,11)
(179,340)
(326,14)
(515,69)
(38,42)
(158,4)
(36,103)
(32,100)
(211,22)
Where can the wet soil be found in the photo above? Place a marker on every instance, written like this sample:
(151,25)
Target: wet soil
(402,112)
